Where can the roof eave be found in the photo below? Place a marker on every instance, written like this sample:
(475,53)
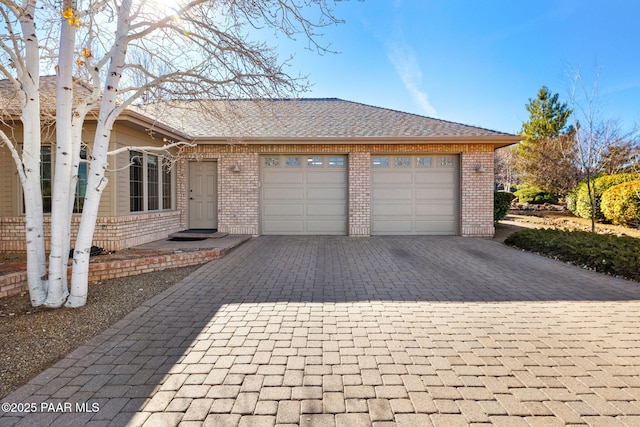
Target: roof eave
(497,141)
(150,124)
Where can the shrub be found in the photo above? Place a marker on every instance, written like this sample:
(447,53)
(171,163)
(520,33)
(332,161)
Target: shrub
(620,204)
(619,256)
(579,202)
(535,195)
(501,204)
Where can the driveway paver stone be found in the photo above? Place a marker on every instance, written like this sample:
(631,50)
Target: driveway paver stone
(338,331)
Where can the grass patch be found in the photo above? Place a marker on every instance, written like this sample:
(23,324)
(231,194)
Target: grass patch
(618,256)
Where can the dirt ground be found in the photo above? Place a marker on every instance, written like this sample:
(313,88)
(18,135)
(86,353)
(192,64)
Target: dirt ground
(518,220)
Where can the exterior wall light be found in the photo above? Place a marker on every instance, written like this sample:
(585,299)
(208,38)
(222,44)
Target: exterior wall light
(236,168)
(480,169)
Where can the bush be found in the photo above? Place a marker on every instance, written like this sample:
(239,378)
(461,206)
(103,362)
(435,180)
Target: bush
(620,204)
(619,256)
(501,204)
(579,202)
(535,195)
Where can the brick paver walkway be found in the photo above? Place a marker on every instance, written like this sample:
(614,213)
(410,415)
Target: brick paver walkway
(325,331)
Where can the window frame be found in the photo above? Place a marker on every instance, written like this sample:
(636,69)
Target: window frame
(153,195)
(47,175)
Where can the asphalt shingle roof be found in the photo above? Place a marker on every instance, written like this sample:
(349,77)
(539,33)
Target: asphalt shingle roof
(303,118)
(10,100)
(295,119)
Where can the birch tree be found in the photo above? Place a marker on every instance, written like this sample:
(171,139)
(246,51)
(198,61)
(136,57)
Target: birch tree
(114,53)
(20,66)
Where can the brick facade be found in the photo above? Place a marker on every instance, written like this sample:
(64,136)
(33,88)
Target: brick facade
(111,233)
(359,194)
(477,194)
(239,193)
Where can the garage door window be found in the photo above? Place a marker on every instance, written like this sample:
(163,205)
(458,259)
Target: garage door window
(271,162)
(314,161)
(446,162)
(336,161)
(380,161)
(294,162)
(403,162)
(423,162)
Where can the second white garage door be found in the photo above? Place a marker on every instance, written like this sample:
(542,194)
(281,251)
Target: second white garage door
(414,194)
(304,194)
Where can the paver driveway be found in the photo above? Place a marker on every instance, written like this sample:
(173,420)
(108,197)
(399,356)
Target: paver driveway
(397,331)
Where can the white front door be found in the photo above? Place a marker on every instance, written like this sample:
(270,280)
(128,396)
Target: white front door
(203,195)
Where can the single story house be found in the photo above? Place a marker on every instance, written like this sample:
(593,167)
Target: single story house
(273,167)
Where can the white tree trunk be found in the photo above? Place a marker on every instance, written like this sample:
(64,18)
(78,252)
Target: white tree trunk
(62,191)
(29,76)
(96,180)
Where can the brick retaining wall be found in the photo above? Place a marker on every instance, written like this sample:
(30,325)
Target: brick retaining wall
(15,283)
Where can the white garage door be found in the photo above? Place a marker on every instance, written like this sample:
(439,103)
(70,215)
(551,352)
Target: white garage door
(414,194)
(304,194)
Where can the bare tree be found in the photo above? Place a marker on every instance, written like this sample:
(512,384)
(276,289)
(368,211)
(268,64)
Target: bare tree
(111,54)
(506,173)
(597,139)
(622,157)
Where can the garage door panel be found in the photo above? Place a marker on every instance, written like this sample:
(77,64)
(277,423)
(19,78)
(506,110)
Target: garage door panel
(314,193)
(414,197)
(283,210)
(441,193)
(326,209)
(391,210)
(392,177)
(434,177)
(282,194)
(283,227)
(391,194)
(325,227)
(435,210)
(331,176)
(310,198)
(285,176)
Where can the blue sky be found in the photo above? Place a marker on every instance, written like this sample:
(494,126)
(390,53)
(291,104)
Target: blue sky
(477,61)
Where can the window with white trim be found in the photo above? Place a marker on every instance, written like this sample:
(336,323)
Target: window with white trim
(167,184)
(150,182)
(46,180)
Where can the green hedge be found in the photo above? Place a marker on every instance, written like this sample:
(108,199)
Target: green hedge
(619,256)
(535,195)
(620,204)
(578,199)
(501,204)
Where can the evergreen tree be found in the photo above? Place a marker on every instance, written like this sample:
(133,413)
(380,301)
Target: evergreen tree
(547,154)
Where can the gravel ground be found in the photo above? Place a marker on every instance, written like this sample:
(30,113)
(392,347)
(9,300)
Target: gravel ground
(35,338)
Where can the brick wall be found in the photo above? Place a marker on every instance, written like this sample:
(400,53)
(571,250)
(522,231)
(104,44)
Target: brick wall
(477,194)
(238,210)
(238,192)
(111,233)
(359,194)
(14,283)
